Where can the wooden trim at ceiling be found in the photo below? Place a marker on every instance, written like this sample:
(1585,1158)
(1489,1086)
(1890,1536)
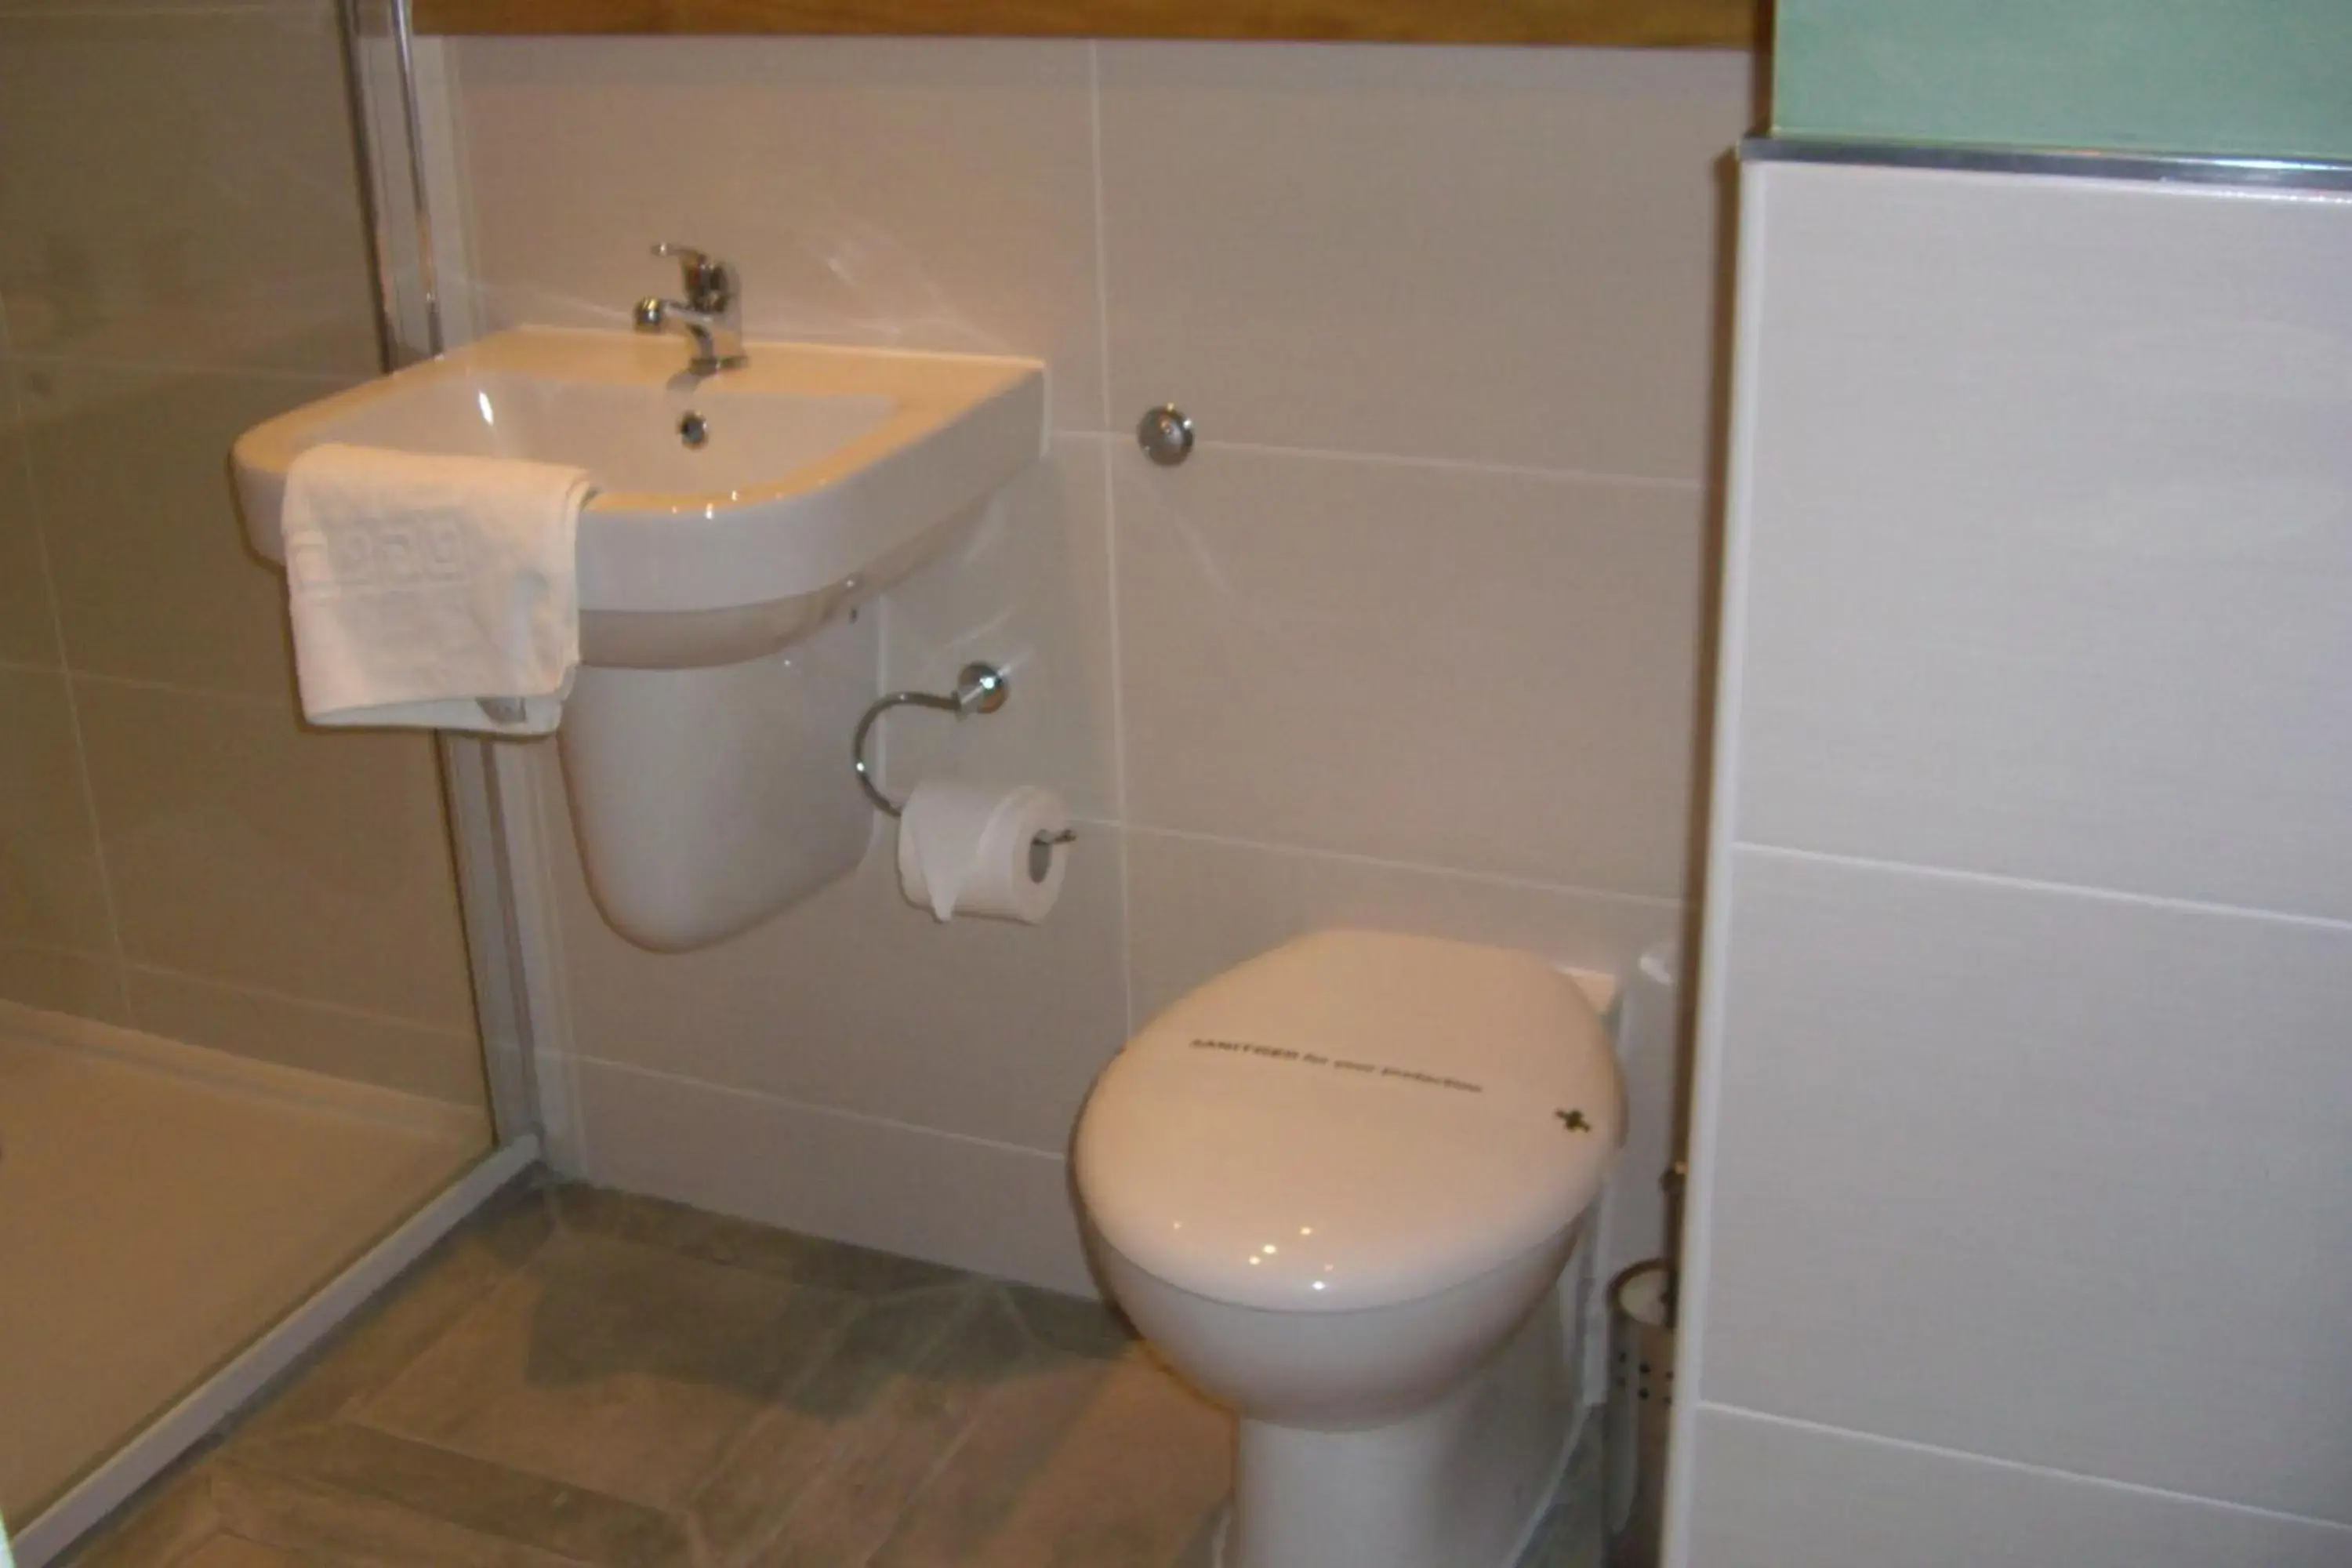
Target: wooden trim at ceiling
(1669,24)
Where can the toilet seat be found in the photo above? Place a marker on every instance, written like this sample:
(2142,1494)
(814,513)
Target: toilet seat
(1353,1121)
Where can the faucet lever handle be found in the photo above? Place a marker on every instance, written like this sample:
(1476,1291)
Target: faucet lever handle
(706,281)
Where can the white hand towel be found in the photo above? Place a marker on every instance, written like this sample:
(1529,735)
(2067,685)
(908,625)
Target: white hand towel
(441,593)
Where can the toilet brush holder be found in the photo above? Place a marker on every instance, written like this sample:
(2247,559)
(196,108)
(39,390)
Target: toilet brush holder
(1641,1405)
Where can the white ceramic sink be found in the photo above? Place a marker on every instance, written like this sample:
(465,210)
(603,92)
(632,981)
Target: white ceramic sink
(825,474)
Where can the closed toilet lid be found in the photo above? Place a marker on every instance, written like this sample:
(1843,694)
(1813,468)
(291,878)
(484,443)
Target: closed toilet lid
(1353,1121)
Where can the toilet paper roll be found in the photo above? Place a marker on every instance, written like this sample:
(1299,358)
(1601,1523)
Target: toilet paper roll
(964,849)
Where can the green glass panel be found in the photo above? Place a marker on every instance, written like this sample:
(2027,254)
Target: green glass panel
(2262,77)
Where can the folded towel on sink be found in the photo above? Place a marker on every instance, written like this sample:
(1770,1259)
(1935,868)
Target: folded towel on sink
(432,592)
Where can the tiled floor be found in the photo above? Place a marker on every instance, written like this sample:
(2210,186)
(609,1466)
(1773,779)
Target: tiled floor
(583,1378)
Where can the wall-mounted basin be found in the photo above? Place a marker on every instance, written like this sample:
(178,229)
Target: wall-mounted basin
(738,517)
(734,513)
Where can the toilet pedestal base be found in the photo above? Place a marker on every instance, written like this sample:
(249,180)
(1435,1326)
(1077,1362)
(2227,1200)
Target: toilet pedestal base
(1460,1484)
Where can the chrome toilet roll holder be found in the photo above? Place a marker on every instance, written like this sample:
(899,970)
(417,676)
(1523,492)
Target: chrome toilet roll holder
(980,688)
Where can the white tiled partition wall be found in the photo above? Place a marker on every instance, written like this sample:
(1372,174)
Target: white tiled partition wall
(1411,642)
(2022,1222)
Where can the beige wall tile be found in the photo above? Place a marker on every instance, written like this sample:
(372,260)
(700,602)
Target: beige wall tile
(906,193)
(2069,604)
(155,579)
(856,1000)
(194,201)
(1198,907)
(248,849)
(51,891)
(1457,668)
(1030,592)
(882,1183)
(1779,1492)
(1958,1121)
(839,1267)
(441,1064)
(1502,254)
(87,985)
(28,629)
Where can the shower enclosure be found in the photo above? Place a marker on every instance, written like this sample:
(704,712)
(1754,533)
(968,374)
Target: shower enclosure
(247,969)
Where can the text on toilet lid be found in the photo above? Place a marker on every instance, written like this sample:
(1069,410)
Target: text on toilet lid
(1338,1064)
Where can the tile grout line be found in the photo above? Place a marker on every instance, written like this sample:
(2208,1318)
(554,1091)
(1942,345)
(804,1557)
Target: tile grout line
(352,1410)
(149,12)
(1696,487)
(921,1360)
(837,1337)
(139,683)
(1123,862)
(47,949)
(2012,883)
(2025,1467)
(1102,229)
(707,1551)
(995,1145)
(1536,471)
(331,380)
(922,1490)
(315,1004)
(970,1423)
(1106,453)
(344,1098)
(82,773)
(165,688)
(255,1459)
(1418,868)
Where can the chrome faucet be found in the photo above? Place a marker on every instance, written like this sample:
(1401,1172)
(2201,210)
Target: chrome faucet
(711,313)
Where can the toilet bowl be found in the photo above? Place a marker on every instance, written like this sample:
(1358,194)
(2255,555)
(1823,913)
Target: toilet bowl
(1336,1186)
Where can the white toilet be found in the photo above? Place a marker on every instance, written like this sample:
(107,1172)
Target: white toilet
(1336,1187)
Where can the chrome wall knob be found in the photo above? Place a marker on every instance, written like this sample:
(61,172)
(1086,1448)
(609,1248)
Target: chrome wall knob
(1165,434)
